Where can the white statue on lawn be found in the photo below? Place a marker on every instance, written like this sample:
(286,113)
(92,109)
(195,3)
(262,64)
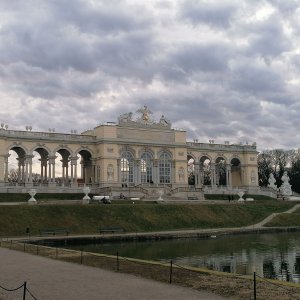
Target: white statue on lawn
(272,182)
(286,188)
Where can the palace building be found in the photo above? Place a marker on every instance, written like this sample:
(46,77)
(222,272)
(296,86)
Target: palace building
(136,153)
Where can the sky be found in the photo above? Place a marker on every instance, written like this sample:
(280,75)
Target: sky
(223,70)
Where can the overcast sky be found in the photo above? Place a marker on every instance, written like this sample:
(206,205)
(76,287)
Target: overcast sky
(222,70)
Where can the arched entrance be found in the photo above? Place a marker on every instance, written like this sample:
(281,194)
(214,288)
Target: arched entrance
(191,169)
(236,171)
(220,169)
(205,170)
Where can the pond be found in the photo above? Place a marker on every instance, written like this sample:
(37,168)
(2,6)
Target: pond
(273,255)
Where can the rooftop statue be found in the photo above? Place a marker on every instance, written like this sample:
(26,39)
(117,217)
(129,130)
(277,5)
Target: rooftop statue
(145,114)
(164,121)
(144,119)
(125,117)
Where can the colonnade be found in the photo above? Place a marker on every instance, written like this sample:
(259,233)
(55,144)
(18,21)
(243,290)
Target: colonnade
(215,174)
(47,169)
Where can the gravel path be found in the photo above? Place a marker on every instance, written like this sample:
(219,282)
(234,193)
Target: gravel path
(55,280)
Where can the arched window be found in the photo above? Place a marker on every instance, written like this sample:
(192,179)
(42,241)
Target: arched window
(165,168)
(146,168)
(126,167)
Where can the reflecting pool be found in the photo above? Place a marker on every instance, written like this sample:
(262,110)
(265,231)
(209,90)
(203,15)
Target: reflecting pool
(274,256)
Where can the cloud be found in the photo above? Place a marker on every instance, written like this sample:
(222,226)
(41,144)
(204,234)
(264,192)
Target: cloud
(227,70)
(213,13)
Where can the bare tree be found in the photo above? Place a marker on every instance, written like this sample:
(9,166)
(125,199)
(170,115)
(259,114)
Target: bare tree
(276,162)
(13,175)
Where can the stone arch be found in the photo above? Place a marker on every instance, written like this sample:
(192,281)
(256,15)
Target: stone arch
(236,171)
(61,148)
(164,150)
(127,149)
(87,170)
(205,172)
(190,168)
(146,150)
(221,170)
(40,165)
(44,148)
(19,174)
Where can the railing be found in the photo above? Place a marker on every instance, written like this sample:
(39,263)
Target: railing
(241,286)
(186,189)
(23,288)
(47,135)
(209,147)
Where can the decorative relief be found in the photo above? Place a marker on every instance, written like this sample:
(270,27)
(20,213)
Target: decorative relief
(110,172)
(144,119)
(180,153)
(252,158)
(181,174)
(110,150)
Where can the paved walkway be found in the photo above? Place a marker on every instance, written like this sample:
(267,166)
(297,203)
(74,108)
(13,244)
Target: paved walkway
(56,280)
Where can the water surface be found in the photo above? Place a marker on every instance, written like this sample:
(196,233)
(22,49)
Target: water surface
(274,256)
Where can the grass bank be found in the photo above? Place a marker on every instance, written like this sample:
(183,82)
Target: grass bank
(86,219)
(285,220)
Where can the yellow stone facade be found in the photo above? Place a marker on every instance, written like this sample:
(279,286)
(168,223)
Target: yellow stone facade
(130,152)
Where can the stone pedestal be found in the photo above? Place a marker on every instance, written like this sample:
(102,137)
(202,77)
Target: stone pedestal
(86,199)
(241,194)
(32,200)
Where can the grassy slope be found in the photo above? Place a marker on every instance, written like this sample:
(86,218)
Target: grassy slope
(143,217)
(285,220)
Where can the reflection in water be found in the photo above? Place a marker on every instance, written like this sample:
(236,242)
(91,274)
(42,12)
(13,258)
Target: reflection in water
(274,256)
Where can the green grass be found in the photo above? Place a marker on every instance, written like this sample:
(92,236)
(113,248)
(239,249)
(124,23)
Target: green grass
(285,220)
(86,219)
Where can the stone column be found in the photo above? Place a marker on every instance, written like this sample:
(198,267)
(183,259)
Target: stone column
(173,172)
(119,170)
(21,162)
(228,175)
(96,173)
(74,171)
(65,173)
(28,162)
(43,169)
(213,174)
(137,164)
(243,175)
(217,171)
(52,169)
(201,174)
(6,167)
(156,171)
(197,174)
